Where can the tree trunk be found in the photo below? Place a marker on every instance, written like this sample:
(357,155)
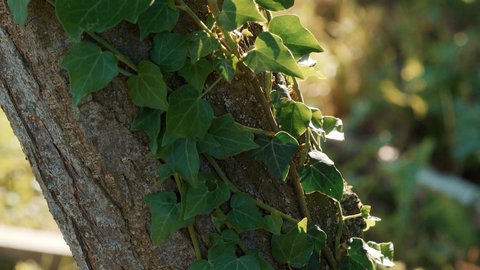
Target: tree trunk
(94,172)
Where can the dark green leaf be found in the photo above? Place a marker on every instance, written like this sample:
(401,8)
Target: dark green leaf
(237,12)
(357,258)
(275,5)
(270,54)
(96,15)
(273,223)
(317,118)
(196,74)
(159,17)
(165,215)
(189,116)
(182,156)
(381,253)
(333,128)
(321,175)
(228,262)
(231,137)
(164,172)
(147,89)
(89,68)
(226,67)
(297,38)
(169,51)
(219,248)
(201,45)
(245,215)
(264,265)
(19,10)
(202,265)
(207,143)
(149,121)
(294,117)
(293,247)
(277,153)
(317,236)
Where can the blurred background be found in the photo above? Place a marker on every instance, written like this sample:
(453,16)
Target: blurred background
(405,78)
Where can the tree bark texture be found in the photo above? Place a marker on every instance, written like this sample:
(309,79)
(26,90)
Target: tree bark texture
(94,171)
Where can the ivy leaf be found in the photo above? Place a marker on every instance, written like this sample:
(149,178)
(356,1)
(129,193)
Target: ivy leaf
(294,117)
(277,153)
(165,215)
(202,265)
(182,156)
(270,54)
(149,121)
(169,51)
(246,262)
(196,74)
(293,247)
(295,36)
(317,118)
(157,18)
(381,253)
(264,265)
(189,116)
(200,44)
(231,137)
(96,15)
(221,246)
(357,257)
(148,89)
(200,200)
(164,172)
(321,175)
(273,223)
(311,72)
(19,9)
(316,236)
(89,68)
(226,67)
(245,215)
(275,5)
(207,143)
(237,12)
(333,128)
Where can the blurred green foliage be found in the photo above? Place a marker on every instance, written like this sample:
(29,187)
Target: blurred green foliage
(405,78)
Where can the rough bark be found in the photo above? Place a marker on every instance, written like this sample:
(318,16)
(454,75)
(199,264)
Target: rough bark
(94,172)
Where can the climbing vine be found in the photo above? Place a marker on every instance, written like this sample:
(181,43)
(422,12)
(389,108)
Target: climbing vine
(182,126)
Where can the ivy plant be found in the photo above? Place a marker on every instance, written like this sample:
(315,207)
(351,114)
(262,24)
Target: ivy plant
(183,128)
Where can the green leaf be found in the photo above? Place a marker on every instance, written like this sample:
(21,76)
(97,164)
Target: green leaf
(357,258)
(237,12)
(333,128)
(273,223)
(202,265)
(297,38)
(164,172)
(200,200)
(277,153)
(19,9)
(275,5)
(317,118)
(149,121)
(157,18)
(200,44)
(229,262)
(264,265)
(381,253)
(316,236)
(221,246)
(89,68)
(231,137)
(226,67)
(196,74)
(182,156)
(165,215)
(294,117)
(96,15)
(293,247)
(207,143)
(189,116)
(309,72)
(169,51)
(321,175)
(245,215)
(147,89)
(270,54)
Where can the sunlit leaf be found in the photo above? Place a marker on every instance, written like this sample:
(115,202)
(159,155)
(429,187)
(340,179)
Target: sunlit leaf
(270,54)
(333,128)
(157,18)
(201,45)
(294,117)
(237,12)
(226,67)
(275,5)
(89,68)
(147,89)
(295,36)
(384,256)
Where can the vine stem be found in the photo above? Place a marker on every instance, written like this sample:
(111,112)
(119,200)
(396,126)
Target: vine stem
(296,89)
(353,216)
(210,87)
(338,236)
(258,131)
(234,189)
(299,192)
